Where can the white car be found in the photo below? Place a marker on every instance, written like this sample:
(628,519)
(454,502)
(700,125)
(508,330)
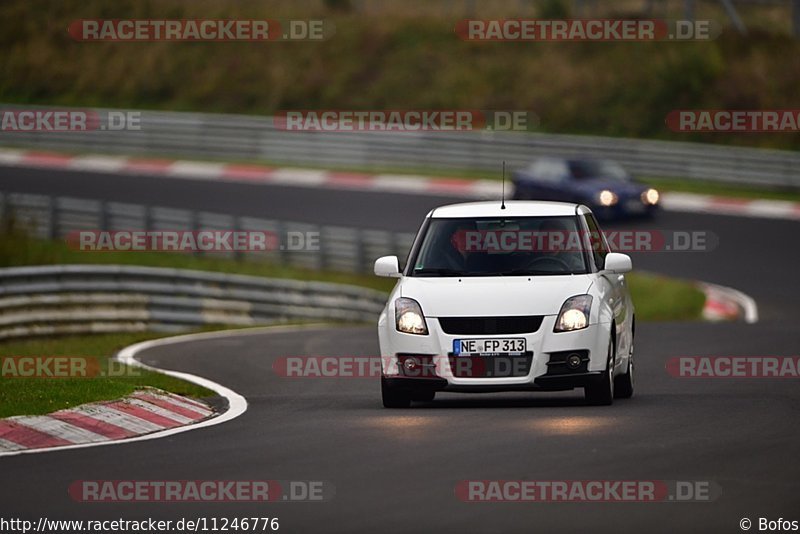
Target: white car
(507,297)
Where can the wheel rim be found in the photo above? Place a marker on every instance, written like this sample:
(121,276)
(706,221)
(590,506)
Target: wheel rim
(630,364)
(611,366)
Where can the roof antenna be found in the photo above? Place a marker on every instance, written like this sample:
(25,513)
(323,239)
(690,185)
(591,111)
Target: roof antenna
(503,198)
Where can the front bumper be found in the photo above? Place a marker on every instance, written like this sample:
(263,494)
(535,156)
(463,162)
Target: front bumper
(541,368)
(624,208)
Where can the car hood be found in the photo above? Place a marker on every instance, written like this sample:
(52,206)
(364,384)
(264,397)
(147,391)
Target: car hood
(501,295)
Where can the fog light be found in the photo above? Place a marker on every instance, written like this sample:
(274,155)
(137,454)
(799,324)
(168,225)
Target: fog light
(574,361)
(410,364)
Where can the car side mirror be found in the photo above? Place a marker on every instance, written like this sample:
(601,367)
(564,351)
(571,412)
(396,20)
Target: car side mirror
(618,263)
(387,266)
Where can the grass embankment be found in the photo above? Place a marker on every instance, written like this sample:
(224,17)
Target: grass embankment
(656,298)
(33,396)
(405,55)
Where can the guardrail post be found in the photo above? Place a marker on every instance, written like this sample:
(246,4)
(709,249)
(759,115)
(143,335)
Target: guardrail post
(688,9)
(322,263)
(360,251)
(238,255)
(148,218)
(52,217)
(5,218)
(194,227)
(103,224)
(281,229)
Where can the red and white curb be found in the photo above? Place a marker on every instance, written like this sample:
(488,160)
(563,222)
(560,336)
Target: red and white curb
(141,413)
(389,183)
(727,304)
(140,417)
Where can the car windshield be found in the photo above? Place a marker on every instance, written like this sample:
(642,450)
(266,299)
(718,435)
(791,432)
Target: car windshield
(492,246)
(583,169)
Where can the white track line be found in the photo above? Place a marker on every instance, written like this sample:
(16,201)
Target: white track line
(237,404)
(746,302)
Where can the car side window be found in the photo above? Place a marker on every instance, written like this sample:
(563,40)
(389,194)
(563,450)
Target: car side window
(549,171)
(597,241)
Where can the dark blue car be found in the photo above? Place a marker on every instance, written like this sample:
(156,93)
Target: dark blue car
(602,185)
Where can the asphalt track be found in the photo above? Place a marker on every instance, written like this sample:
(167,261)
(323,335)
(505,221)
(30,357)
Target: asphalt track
(396,471)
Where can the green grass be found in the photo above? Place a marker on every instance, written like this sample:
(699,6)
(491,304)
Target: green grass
(33,396)
(659,298)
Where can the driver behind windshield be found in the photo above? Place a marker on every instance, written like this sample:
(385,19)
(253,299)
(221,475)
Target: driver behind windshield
(554,250)
(559,252)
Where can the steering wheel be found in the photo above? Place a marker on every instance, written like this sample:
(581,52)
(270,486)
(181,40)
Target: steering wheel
(552,259)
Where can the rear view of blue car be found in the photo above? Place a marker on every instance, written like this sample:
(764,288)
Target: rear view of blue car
(602,185)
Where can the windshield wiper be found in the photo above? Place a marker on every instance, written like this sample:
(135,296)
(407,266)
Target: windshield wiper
(440,271)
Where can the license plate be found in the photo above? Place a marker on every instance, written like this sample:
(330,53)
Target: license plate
(634,206)
(489,346)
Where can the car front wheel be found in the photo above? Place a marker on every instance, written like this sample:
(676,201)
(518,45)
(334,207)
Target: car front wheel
(394,397)
(623,384)
(601,393)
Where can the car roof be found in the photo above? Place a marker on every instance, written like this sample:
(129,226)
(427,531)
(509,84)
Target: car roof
(514,208)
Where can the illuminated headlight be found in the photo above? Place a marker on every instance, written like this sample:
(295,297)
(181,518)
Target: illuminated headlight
(651,197)
(408,317)
(574,314)
(607,198)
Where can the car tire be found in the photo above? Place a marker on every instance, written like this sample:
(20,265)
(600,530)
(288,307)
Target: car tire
(423,395)
(394,397)
(601,393)
(623,384)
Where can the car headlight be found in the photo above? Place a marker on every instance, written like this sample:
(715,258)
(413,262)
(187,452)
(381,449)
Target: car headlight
(651,197)
(574,314)
(607,198)
(408,317)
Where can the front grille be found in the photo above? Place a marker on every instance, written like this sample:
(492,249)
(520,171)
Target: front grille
(517,324)
(490,366)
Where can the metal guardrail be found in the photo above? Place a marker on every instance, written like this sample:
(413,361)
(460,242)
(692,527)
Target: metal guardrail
(340,248)
(239,137)
(62,299)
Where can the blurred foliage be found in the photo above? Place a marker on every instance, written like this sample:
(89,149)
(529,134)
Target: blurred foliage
(339,5)
(378,61)
(34,396)
(554,9)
